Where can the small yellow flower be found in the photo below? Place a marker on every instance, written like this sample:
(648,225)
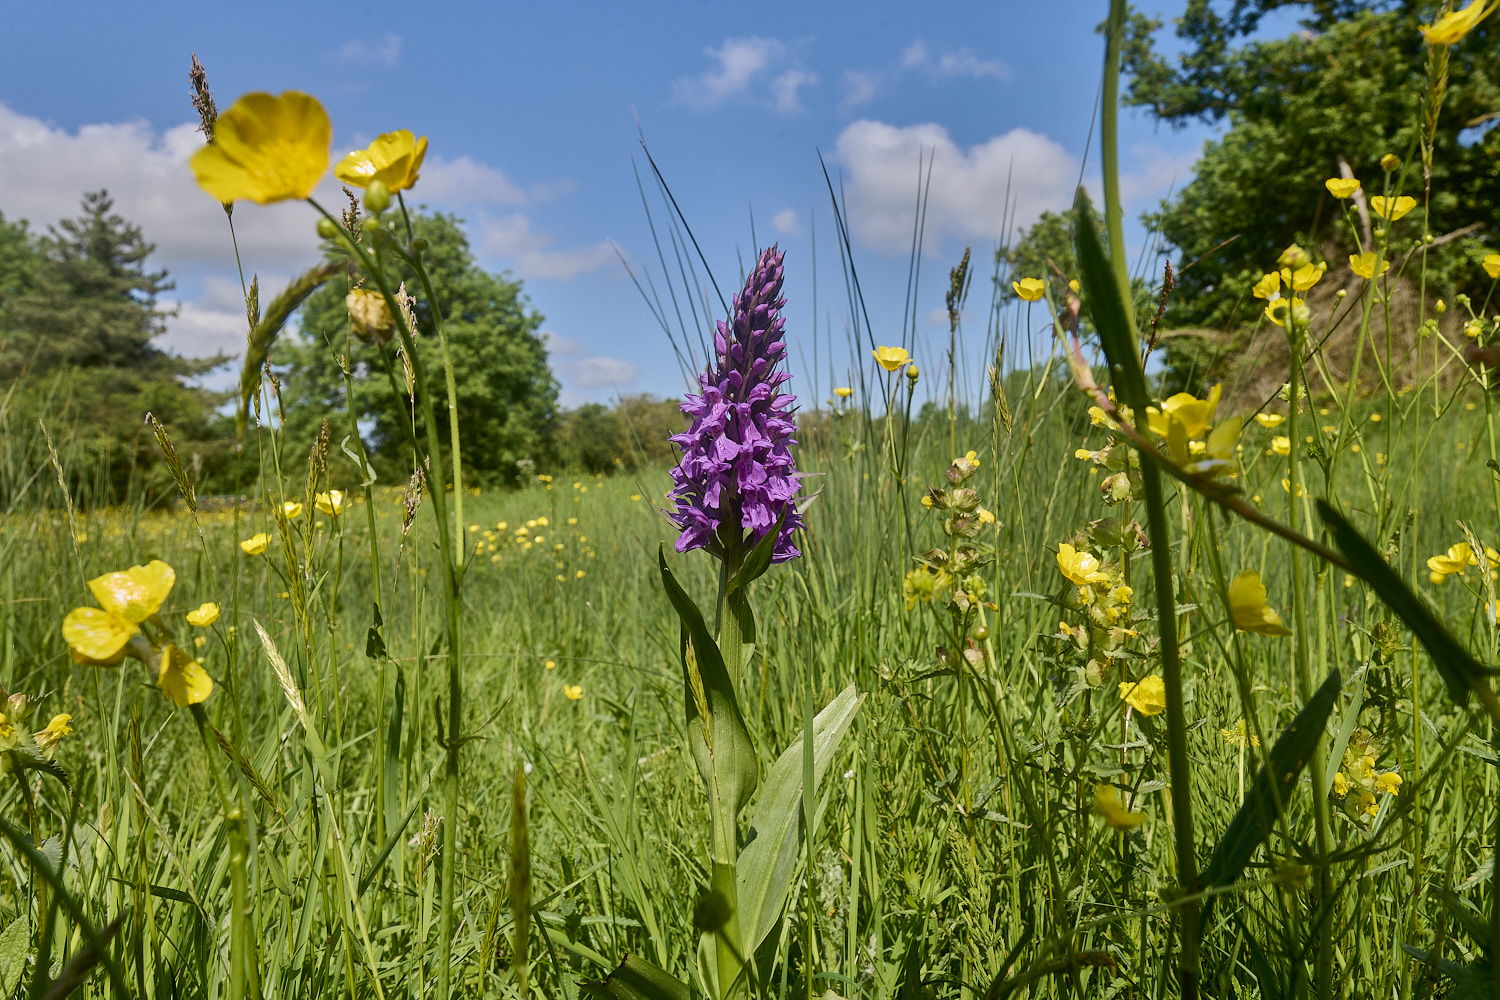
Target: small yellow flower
(256,543)
(1281,444)
(266,149)
(1147,696)
(1030,289)
(1268,285)
(1363,264)
(1277,309)
(1390,163)
(1107,804)
(1340,784)
(1491,265)
(206,615)
(292,509)
(183,678)
(1390,783)
(393,159)
(1248,607)
(573,692)
(1341,187)
(550,665)
(1194,414)
(1269,420)
(98,636)
(891,358)
(48,739)
(1307,275)
(927,502)
(1392,208)
(578,575)
(843,392)
(911,373)
(1238,735)
(332,502)
(1453,562)
(1455,24)
(1079,567)
(985,516)
(1293,256)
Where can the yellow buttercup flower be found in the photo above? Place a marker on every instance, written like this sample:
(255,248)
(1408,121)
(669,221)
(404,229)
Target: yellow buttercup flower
(1278,309)
(843,392)
(266,149)
(183,678)
(1281,444)
(1030,289)
(1293,256)
(1307,275)
(1363,264)
(573,692)
(393,159)
(1079,567)
(1248,607)
(1392,208)
(1455,24)
(1341,187)
(98,636)
(891,358)
(330,503)
(1453,562)
(256,543)
(1107,804)
(292,509)
(1147,696)
(1491,265)
(1268,285)
(1194,414)
(1269,420)
(205,616)
(48,739)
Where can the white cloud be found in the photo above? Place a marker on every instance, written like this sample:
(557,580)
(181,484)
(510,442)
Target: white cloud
(47,170)
(466,182)
(958,62)
(583,372)
(384,53)
(969,189)
(859,88)
(786,222)
(744,66)
(512,239)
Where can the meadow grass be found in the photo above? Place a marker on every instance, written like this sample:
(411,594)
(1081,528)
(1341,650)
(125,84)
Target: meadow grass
(954,838)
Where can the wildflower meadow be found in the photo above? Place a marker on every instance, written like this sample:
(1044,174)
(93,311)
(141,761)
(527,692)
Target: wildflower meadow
(1093,682)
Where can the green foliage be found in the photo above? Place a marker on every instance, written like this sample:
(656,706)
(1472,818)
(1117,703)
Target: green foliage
(632,434)
(1350,86)
(507,395)
(78,325)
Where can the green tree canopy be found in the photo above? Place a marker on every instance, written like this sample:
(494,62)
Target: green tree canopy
(507,395)
(78,324)
(1349,87)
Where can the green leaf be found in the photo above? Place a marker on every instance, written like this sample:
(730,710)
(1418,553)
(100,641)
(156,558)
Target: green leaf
(1108,305)
(13,944)
(720,743)
(1461,673)
(767,863)
(758,560)
(1273,784)
(636,979)
(26,760)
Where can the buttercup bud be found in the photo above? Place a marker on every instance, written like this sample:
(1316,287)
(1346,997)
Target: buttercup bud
(377,197)
(370,223)
(327,229)
(911,372)
(419,244)
(1390,162)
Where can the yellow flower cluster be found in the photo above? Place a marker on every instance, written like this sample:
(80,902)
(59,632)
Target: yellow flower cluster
(1359,783)
(1298,274)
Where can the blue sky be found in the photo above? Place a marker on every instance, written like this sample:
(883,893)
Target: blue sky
(532,115)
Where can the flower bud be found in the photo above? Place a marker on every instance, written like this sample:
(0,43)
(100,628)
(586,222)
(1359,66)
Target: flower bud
(911,373)
(1341,294)
(370,224)
(980,632)
(377,197)
(18,708)
(1440,307)
(1390,162)
(328,229)
(419,244)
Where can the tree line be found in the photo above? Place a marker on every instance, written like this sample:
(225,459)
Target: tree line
(81,362)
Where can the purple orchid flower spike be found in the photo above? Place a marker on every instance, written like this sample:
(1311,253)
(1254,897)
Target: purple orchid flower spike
(737,473)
